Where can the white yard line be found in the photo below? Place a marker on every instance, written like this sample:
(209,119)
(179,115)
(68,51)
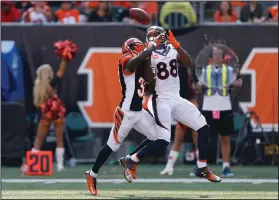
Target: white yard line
(143,180)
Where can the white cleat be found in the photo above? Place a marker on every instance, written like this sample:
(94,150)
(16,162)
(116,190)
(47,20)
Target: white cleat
(59,168)
(167,171)
(23,169)
(192,174)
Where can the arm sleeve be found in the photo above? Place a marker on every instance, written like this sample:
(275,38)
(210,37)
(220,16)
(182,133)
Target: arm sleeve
(134,62)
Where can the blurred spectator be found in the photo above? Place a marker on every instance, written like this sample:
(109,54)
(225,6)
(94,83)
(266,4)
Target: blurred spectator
(9,13)
(23,5)
(92,4)
(39,13)
(177,15)
(101,14)
(123,4)
(225,13)
(150,7)
(252,12)
(67,14)
(237,6)
(273,13)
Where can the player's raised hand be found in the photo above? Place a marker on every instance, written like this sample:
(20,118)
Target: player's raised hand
(171,40)
(154,43)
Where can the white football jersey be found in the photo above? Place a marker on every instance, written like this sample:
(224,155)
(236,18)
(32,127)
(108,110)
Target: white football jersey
(166,65)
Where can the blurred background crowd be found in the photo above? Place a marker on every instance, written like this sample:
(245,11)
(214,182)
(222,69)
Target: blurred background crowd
(166,14)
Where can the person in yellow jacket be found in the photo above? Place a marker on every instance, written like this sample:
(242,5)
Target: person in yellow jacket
(177,15)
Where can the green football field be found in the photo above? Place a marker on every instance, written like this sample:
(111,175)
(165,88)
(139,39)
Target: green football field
(253,182)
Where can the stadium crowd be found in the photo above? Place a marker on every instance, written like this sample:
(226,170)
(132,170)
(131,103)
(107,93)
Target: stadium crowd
(71,12)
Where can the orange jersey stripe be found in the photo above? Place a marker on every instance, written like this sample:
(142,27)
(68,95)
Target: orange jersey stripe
(119,115)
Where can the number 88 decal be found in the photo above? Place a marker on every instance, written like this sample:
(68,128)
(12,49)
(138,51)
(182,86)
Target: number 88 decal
(162,71)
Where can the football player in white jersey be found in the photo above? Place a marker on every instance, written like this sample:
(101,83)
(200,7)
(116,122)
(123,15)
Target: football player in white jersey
(166,102)
(129,113)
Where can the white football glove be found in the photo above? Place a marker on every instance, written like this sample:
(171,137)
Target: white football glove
(152,43)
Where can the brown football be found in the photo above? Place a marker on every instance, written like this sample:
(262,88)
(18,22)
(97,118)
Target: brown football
(139,16)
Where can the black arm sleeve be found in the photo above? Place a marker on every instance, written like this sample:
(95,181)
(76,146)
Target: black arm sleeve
(150,86)
(133,63)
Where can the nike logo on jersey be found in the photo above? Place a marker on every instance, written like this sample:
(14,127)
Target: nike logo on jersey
(166,58)
(155,56)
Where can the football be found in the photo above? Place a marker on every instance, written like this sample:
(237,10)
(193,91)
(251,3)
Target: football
(139,16)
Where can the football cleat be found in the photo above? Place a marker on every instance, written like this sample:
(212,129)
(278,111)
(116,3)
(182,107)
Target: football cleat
(192,173)
(130,169)
(205,172)
(167,171)
(60,168)
(23,169)
(227,172)
(122,161)
(91,183)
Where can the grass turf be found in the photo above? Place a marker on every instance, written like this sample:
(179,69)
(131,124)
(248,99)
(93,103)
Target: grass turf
(143,190)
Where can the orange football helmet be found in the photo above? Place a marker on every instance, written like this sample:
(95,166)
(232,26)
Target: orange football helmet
(133,45)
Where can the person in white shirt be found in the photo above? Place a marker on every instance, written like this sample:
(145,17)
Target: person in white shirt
(39,13)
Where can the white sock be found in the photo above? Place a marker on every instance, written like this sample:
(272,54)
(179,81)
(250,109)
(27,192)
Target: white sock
(226,164)
(197,154)
(135,158)
(172,159)
(92,173)
(201,164)
(60,156)
(34,150)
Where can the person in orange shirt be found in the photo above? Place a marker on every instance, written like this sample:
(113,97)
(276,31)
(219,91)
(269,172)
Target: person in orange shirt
(124,4)
(273,13)
(225,13)
(150,7)
(238,3)
(66,14)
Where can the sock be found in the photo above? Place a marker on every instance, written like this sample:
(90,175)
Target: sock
(135,158)
(203,137)
(172,158)
(151,148)
(197,154)
(92,173)
(226,164)
(142,144)
(101,158)
(201,163)
(34,150)
(60,156)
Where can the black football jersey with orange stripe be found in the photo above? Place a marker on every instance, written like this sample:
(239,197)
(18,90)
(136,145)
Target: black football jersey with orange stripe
(132,91)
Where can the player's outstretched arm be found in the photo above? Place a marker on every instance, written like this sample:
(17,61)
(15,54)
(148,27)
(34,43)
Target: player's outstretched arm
(136,61)
(183,56)
(62,68)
